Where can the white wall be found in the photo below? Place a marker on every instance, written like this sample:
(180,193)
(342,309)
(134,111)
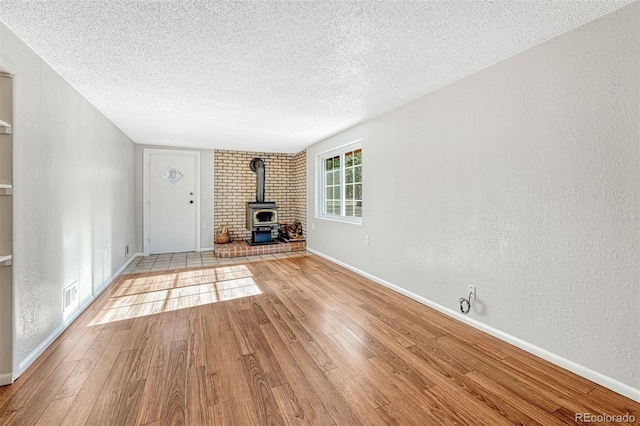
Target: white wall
(522,179)
(74,197)
(206,185)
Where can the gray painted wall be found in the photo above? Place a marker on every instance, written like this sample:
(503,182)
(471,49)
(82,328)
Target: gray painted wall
(522,179)
(74,205)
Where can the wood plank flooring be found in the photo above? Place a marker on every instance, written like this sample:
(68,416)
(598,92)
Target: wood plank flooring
(292,341)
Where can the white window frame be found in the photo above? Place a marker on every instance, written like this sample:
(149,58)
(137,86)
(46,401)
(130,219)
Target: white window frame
(321,176)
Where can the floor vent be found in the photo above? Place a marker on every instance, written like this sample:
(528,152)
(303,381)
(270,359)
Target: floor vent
(70,296)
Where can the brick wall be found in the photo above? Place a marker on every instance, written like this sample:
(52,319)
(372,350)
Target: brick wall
(298,182)
(235,185)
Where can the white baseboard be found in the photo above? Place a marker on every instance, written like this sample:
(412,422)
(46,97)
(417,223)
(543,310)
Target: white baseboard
(578,369)
(207,249)
(58,331)
(6,379)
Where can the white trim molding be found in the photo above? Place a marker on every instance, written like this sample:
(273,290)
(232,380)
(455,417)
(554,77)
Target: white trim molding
(599,378)
(6,379)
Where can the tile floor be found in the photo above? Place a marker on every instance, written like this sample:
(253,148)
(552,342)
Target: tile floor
(165,262)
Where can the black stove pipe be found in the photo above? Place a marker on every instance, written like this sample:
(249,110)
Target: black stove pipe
(257,166)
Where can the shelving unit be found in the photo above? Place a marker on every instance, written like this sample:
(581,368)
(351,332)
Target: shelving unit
(6,167)
(6,225)
(6,189)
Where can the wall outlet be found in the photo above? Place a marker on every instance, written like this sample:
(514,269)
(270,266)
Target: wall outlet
(313,226)
(205,226)
(126,250)
(471,290)
(366,240)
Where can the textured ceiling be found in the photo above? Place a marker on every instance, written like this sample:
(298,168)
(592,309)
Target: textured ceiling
(274,75)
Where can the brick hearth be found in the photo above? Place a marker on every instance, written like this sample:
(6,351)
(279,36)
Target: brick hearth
(242,248)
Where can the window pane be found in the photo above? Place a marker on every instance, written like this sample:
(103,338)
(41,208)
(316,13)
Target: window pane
(328,208)
(348,159)
(348,192)
(358,174)
(348,209)
(329,193)
(342,184)
(348,175)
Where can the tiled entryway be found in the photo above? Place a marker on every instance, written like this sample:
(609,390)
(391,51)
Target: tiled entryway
(165,262)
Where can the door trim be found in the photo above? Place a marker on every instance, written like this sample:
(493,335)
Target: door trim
(147,152)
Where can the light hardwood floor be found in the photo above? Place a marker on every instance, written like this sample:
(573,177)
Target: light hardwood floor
(295,340)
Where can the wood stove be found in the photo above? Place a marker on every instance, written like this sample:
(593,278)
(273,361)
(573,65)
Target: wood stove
(262,216)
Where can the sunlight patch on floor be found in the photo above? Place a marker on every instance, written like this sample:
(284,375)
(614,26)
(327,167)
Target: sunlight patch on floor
(156,294)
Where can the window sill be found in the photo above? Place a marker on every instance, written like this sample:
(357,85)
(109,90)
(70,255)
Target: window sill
(343,219)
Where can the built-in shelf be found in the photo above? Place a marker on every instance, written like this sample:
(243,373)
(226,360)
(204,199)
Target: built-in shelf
(6,229)
(5,128)
(6,189)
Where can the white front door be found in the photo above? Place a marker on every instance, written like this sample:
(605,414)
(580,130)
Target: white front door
(173,184)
